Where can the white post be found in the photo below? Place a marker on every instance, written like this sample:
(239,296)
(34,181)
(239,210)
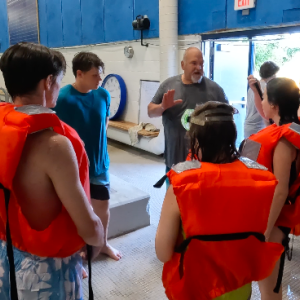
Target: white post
(168,36)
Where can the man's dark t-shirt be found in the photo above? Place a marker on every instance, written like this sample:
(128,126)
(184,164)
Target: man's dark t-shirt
(176,147)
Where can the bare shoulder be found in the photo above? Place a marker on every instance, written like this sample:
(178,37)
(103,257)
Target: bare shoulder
(285,144)
(171,201)
(49,146)
(50,139)
(285,149)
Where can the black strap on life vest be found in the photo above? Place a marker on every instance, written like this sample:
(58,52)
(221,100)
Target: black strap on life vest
(214,238)
(89,250)
(287,253)
(280,274)
(288,250)
(10,254)
(161,182)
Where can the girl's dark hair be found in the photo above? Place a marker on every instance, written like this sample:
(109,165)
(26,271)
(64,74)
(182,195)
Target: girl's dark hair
(216,139)
(24,65)
(284,93)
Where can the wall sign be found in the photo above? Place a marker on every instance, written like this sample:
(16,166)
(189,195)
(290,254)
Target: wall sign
(244,4)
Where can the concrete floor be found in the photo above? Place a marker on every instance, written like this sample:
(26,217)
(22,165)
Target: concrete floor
(138,275)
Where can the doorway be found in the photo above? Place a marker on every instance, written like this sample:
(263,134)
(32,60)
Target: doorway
(229,61)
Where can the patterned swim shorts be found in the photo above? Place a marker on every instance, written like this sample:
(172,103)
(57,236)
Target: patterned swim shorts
(41,278)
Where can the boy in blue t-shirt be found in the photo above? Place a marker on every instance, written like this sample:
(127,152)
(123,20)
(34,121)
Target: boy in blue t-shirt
(85,107)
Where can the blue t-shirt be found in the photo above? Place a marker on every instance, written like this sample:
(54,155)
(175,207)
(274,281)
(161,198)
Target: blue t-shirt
(87,114)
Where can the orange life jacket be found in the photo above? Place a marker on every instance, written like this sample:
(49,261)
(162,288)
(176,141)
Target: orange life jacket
(260,147)
(60,239)
(224,211)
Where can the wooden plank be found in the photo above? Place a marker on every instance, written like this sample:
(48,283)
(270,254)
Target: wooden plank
(123,125)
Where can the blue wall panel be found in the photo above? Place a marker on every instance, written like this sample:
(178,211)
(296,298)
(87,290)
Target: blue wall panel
(197,16)
(92,21)
(53,23)
(218,20)
(43,21)
(264,15)
(151,9)
(72,33)
(118,17)
(82,22)
(4,38)
(291,15)
(290,4)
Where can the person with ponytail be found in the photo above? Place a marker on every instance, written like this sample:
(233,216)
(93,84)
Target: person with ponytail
(211,230)
(277,148)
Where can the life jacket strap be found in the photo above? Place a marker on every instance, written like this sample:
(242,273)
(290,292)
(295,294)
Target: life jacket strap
(10,252)
(214,238)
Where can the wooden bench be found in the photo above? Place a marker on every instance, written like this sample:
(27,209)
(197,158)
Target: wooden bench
(123,125)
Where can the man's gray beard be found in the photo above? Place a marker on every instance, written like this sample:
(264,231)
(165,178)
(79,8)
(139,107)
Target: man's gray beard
(194,80)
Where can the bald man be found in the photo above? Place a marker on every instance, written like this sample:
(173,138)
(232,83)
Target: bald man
(175,96)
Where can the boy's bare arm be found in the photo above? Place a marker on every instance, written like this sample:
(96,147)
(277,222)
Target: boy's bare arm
(62,168)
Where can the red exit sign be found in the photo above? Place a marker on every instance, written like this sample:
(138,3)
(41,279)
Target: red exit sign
(243,4)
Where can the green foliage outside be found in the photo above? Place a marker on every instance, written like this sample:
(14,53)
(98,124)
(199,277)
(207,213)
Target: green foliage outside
(276,51)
